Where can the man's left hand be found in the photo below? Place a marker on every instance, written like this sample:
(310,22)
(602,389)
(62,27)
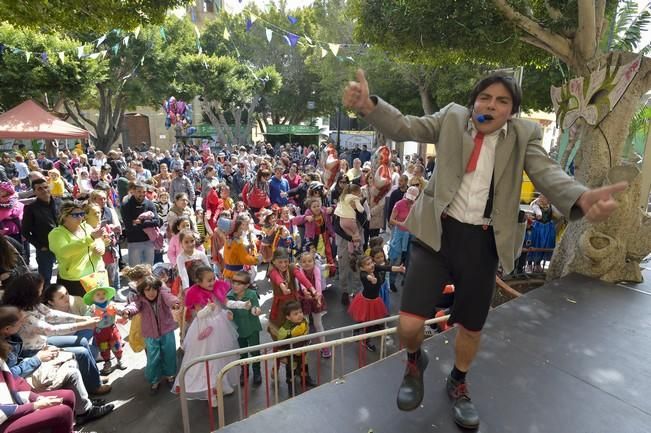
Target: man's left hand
(598,204)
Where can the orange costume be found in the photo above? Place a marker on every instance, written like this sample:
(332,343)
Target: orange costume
(236,257)
(382,176)
(330,163)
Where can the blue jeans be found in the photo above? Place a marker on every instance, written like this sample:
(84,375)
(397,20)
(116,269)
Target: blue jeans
(141,253)
(80,348)
(88,335)
(45,261)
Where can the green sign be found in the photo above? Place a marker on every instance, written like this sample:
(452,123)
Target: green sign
(207,130)
(292,130)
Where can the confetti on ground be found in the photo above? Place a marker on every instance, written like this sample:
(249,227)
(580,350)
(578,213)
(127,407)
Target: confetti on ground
(570,300)
(446,341)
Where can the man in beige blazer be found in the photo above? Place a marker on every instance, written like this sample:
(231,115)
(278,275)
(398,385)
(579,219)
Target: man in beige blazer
(467,221)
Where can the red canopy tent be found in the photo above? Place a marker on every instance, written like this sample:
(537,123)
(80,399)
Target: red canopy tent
(30,121)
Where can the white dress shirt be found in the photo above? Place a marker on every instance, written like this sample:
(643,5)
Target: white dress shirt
(470,202)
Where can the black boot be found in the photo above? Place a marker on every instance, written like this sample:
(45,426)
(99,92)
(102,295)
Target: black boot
(257,378)
(464,410)
(411,391)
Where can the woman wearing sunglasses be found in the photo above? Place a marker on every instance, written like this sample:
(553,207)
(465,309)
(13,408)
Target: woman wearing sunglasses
(77,247)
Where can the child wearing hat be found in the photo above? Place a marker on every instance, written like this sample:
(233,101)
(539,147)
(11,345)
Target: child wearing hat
(107,336)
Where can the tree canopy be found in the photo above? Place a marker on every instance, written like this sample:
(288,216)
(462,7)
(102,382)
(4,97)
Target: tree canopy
(96,15)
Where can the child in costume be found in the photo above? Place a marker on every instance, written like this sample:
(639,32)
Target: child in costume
(380,259)
(311,297)
(367,304)
(283,276)
(295,324)
(174,246)
(319,231)
(271,232)
(155,306)
(107,336)
(189,258)
(218,238)
(11,212)
(211,332)
(237,256)
(57,185)
(247,320)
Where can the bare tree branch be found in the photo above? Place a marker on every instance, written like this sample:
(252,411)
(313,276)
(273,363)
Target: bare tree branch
(586,37)
(557,45)
(80,114)
(72,114)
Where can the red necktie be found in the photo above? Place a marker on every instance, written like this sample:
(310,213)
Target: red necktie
(474,156)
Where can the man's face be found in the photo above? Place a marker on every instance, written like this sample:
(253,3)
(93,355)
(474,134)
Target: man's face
(496,101)
(42,191)
(278,172)
(139,194)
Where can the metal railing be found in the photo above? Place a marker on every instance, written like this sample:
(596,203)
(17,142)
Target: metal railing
(278,355)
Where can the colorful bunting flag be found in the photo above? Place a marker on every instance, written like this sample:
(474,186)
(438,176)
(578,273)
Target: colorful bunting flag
(116,48)
(253,18)
(291,39)
(227,35)
(292,19)
(44,57)
(94,56)
(136,32)
(28,55)
(269,33)
(100,40)
(334,48)
(102,54)
(249,24)
(142,60)
(196,32)
(126,41)
(324,52)
(62,57)
(309,41)
(80,51)
(162,34)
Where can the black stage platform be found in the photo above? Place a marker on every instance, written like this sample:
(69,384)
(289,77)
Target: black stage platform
(572,356)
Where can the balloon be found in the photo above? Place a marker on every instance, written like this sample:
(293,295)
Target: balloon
(382,174)
(177,112)
(330,163)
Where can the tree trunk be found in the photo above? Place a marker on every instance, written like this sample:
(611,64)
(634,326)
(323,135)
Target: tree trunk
(426,99)
(207,108)
(611,250)
(227,130)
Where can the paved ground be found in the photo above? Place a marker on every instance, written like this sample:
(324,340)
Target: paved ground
(137,411)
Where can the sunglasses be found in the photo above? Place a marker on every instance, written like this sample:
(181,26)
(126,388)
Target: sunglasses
(77,214)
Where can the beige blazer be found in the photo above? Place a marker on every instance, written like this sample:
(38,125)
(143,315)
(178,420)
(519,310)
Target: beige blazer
(519,150)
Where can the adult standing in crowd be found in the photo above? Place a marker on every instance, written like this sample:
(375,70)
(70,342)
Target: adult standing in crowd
(467,216)
(181,184)
(39,219)
(77,247)
(278,187)
(141,248)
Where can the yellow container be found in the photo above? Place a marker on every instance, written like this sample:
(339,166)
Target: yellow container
(527,191)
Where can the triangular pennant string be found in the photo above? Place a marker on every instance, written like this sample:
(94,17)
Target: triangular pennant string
(136,32)
(126,41)
(44,57)
(249,24)
(291,39)
(334,48)
(162,34)
(28,55)
(62,57)
(116,48)
(253,18)
(324,52)
(269,33)
(80,51)
(100,40)
(292,19)
(227,34)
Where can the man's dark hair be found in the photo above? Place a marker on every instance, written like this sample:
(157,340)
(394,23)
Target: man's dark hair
(38,181)
(507,81)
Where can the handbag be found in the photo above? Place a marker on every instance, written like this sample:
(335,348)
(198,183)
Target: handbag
(136,339)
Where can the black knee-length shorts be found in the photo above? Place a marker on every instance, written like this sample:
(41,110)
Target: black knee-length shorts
(468,259)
